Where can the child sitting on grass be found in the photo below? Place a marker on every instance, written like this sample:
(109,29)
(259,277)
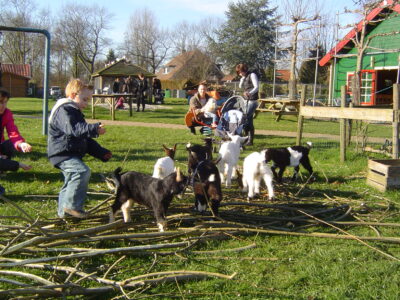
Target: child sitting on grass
(15,142)
(70,138)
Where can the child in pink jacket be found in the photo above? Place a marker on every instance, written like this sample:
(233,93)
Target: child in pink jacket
(15,142)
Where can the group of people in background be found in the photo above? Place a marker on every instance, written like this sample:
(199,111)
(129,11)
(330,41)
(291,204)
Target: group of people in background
(138,87)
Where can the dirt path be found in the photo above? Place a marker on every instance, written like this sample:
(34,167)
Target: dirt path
(258,131)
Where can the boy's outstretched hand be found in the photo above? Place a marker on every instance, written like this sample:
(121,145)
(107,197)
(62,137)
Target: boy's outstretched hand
(25,167)
(101,130)
(107,156)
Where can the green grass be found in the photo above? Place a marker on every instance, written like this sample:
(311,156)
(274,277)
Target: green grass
(298,267)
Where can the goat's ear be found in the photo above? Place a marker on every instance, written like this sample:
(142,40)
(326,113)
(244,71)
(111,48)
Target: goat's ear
(165,147)
(175,147)
(178,175)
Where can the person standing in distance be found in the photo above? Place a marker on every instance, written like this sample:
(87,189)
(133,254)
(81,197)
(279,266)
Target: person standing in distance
(249,82)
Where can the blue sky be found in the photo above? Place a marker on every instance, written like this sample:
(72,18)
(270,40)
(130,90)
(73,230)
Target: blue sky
(168,12)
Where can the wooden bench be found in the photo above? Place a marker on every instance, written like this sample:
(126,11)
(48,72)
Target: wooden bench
(278,107)
(110,100)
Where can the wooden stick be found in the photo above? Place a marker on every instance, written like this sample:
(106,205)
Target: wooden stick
(179,272)
(27,275)
(353,237)
(113,265)
(16,238)
(29,218)
(40,239)
(68,270)
(95,253)
(227,250)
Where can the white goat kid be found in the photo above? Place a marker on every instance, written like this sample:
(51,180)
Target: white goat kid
(229,158)
(165,165)
(256,169)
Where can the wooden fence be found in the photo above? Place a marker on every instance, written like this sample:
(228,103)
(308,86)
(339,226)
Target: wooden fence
(352,113)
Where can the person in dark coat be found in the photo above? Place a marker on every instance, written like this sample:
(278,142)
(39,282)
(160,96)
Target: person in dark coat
(249,82)
(70,138)
(141,92)
(116,85)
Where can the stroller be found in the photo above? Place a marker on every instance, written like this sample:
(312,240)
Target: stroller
(233,117)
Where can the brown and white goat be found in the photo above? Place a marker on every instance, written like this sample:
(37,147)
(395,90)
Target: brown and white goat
(165,165)
(207,186)
(198,153)
(146,190)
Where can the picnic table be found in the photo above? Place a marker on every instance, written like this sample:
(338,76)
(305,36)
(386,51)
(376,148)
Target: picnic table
(110,100)
(278,107)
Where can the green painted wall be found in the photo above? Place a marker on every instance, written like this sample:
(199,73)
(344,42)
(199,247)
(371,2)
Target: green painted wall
(348,64)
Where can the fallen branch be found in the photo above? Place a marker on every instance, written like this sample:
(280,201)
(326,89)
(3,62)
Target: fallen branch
(27,275)
(94,253)
(353,237)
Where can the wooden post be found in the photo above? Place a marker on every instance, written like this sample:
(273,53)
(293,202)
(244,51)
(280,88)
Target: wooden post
(300,118)
(93,112)
(349,128)
(343,125)
(395,136)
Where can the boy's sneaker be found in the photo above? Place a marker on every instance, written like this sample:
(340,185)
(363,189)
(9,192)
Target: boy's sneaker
(2,190)
(76,213)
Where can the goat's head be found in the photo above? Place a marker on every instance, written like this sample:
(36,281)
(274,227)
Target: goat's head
(170,151)
(179,183)
(268,155)
(237,139)
(208,141)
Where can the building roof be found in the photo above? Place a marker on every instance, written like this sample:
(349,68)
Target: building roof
(179,66)
(347,39)
(23,70)
(283,75)
(122,68)
(229,77)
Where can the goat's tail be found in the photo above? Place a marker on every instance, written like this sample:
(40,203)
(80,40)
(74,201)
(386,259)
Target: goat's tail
(309,145)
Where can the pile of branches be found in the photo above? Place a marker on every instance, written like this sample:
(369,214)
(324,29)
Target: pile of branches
(60,248)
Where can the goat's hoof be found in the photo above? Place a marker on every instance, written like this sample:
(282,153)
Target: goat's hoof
(162,226)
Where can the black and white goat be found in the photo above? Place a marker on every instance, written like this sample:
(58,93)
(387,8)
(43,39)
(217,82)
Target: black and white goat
(289,157)
(207,186)
(153,193)
(255,169)
(198,153)
(165,165)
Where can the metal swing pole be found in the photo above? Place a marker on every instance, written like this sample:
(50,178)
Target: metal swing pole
(46,69)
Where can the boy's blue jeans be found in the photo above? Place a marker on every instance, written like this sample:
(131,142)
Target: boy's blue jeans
(76,181)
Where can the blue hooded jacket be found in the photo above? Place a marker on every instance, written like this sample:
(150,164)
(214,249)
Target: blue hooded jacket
(70,135)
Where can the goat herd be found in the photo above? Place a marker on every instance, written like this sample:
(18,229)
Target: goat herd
(205,176)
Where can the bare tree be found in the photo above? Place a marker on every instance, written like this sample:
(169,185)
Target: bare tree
(299,14)
(145,43)
(83,34)
(20,47)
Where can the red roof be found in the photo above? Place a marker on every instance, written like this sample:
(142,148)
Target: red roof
(283,75)
(20,70)
(373,13)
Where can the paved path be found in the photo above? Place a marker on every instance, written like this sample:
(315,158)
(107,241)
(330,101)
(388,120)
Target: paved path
(258,131)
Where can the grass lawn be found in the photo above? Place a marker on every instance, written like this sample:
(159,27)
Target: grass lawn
(272,265)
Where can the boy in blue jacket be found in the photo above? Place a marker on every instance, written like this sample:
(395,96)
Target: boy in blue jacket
(70,138)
